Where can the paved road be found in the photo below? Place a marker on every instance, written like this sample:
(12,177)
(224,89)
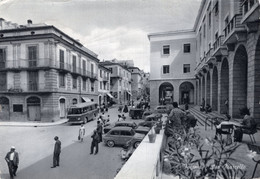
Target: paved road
(35,147)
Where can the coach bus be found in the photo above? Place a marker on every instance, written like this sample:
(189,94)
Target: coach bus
(82,113)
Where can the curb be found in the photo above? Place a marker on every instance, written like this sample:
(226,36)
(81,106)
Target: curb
(33,124)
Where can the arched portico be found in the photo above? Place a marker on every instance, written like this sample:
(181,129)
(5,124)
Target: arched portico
(240,80)
(215,89)
(224,86)
(186,90)
(166,93)
(208,88)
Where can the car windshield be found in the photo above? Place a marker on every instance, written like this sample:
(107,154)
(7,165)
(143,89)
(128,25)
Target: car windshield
(75,111)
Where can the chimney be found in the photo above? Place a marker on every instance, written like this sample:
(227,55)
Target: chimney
(29,22)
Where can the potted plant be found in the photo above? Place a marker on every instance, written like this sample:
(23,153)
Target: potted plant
(152,135)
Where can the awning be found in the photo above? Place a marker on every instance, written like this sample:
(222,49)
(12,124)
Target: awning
(110,95)
(85,99)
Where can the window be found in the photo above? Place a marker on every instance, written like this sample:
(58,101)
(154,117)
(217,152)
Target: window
(111,69)
(166,49)
(74,82)
(32,56)
(2,58)
(115,133)
(209,19)
(216,36)
(100,73)
(186,48)
(84,67)
(216,8)
(204,30)
(226,21)
(84,84)
(100,84)
(74,63)
(33,80)
(18,108)
(166,69)
(62,80)
(61,59)
(186,68)
(126,133)
(92,87)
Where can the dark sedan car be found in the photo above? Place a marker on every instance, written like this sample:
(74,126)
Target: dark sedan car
(121,135)
(133,125)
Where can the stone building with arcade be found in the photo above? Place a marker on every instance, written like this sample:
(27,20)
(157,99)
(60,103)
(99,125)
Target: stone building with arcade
(226,37)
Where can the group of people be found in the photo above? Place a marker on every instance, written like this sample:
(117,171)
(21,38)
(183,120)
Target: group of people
(179,118)
(207,108)
(12,158)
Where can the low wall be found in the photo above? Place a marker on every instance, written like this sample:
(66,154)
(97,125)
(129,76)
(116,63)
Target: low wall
(146,161)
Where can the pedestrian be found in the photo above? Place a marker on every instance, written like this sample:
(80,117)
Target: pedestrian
(99,130)
(56,153)
(125,109)
(81,132)
(119,118)
(202,107)
(12,160)
(120,109)
(123,117)
(226,105)
(95,141)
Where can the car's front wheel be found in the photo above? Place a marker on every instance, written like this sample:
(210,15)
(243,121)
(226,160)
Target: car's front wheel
(110,143)
(136,144)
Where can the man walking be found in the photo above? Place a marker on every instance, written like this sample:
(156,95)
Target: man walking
(56,153)
(94,143)
(12,160)
(99,130)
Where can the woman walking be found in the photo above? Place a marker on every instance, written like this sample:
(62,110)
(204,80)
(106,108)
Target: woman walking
(81,132)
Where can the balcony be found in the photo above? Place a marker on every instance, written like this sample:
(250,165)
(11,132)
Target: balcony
(218,48)
(234,30)
(25,64)
(250,12)
(64,67)
(76,71)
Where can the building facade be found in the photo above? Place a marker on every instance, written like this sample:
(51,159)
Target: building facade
(104,96)
(42,72)
(228,55)
(120,82)
(172,64)
(136,83)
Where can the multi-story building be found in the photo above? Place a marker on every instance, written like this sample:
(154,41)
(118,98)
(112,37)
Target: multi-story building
(146,84)
(226,39)
(42,72)
(228,53)
(104,85)
(172,64)
(120,81)
(136,82)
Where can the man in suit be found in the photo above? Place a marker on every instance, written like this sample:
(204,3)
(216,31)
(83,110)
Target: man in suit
(56,153)
(12,160)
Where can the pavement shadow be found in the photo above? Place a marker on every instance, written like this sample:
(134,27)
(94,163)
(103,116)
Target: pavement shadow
(75,162)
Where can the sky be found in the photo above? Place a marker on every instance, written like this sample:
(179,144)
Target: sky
(110,28)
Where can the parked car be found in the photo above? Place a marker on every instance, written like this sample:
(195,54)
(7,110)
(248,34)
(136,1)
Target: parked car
(147,113)
(133,125)
(136,113)
(161,109)
(121,135)
(150,120)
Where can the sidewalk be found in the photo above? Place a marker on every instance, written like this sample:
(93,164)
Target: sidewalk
(33,123)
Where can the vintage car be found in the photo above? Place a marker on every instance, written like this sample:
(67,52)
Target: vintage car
(161,109)
(150,120)
(133,125)
(146,113)
(121,135)
(136,113)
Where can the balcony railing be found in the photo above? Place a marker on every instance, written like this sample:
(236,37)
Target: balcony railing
(247,5)
(218,42)
(233,24)
(32,87)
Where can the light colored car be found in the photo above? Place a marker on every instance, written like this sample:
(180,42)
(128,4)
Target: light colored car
(146,113)
(121,135)
(138,129)
(161,109)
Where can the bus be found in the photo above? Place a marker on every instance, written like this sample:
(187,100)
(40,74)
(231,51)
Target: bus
(82,113)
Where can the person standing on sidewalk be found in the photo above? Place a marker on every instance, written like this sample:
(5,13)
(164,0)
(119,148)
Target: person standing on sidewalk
(81,132)
(99,130)
(12,160)
(95,141)
(56,153)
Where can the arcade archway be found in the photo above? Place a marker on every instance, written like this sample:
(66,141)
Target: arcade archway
(166,93)
(186,90)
